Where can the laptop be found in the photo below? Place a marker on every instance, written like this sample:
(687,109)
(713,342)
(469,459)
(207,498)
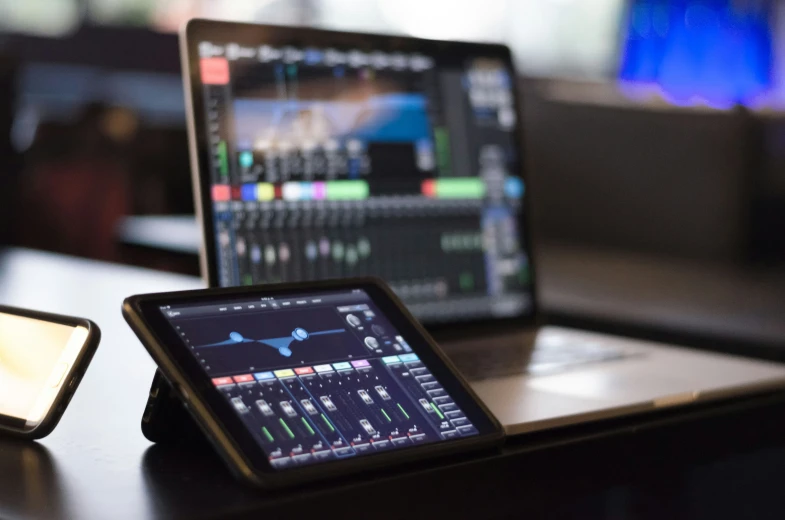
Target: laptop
(319,154)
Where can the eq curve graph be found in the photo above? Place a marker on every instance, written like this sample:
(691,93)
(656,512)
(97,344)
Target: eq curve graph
(282,345)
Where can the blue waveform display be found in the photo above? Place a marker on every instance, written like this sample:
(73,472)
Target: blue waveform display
(282,345)
(718,51)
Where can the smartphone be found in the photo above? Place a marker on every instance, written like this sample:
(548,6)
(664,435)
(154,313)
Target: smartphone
(42,359)
(287,390)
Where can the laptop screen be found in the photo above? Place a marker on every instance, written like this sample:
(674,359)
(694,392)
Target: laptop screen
(330,161)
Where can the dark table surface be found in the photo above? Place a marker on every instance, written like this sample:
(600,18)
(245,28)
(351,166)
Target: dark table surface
(721,461)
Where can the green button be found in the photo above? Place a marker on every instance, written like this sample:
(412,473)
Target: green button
(460,188)
(347,190)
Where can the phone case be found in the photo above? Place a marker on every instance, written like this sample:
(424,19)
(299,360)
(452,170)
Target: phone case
(165,419)
(75,375)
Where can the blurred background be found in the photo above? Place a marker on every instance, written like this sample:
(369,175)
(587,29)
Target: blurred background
(652,127)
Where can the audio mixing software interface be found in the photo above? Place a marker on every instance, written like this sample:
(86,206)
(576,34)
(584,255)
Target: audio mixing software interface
(318,378)
(329,163)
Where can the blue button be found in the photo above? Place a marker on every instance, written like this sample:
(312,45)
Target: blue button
(262,376)
(246,159)
(248,192)
(513,187)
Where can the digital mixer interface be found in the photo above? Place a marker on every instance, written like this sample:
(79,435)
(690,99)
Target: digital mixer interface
(330,163)
(319,377)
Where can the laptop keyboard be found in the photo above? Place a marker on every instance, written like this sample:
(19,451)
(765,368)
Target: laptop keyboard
(547,358)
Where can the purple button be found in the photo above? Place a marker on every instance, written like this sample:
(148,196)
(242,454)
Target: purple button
(319,191)
(361,363)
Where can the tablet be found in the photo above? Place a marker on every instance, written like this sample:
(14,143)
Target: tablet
(297,382)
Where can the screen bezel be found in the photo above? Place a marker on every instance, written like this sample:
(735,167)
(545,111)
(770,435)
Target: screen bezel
(76,368)
(254,34)
(168,345)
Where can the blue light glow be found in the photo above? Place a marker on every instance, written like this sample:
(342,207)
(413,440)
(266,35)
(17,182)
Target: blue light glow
(716,52)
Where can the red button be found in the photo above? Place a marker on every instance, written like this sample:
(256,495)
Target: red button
(303,370)
(218,381)
(222,192)
(214,71)
(429,188)
(244,378)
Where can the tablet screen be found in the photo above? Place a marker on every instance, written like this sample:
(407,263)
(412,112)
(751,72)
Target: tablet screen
(319,377)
